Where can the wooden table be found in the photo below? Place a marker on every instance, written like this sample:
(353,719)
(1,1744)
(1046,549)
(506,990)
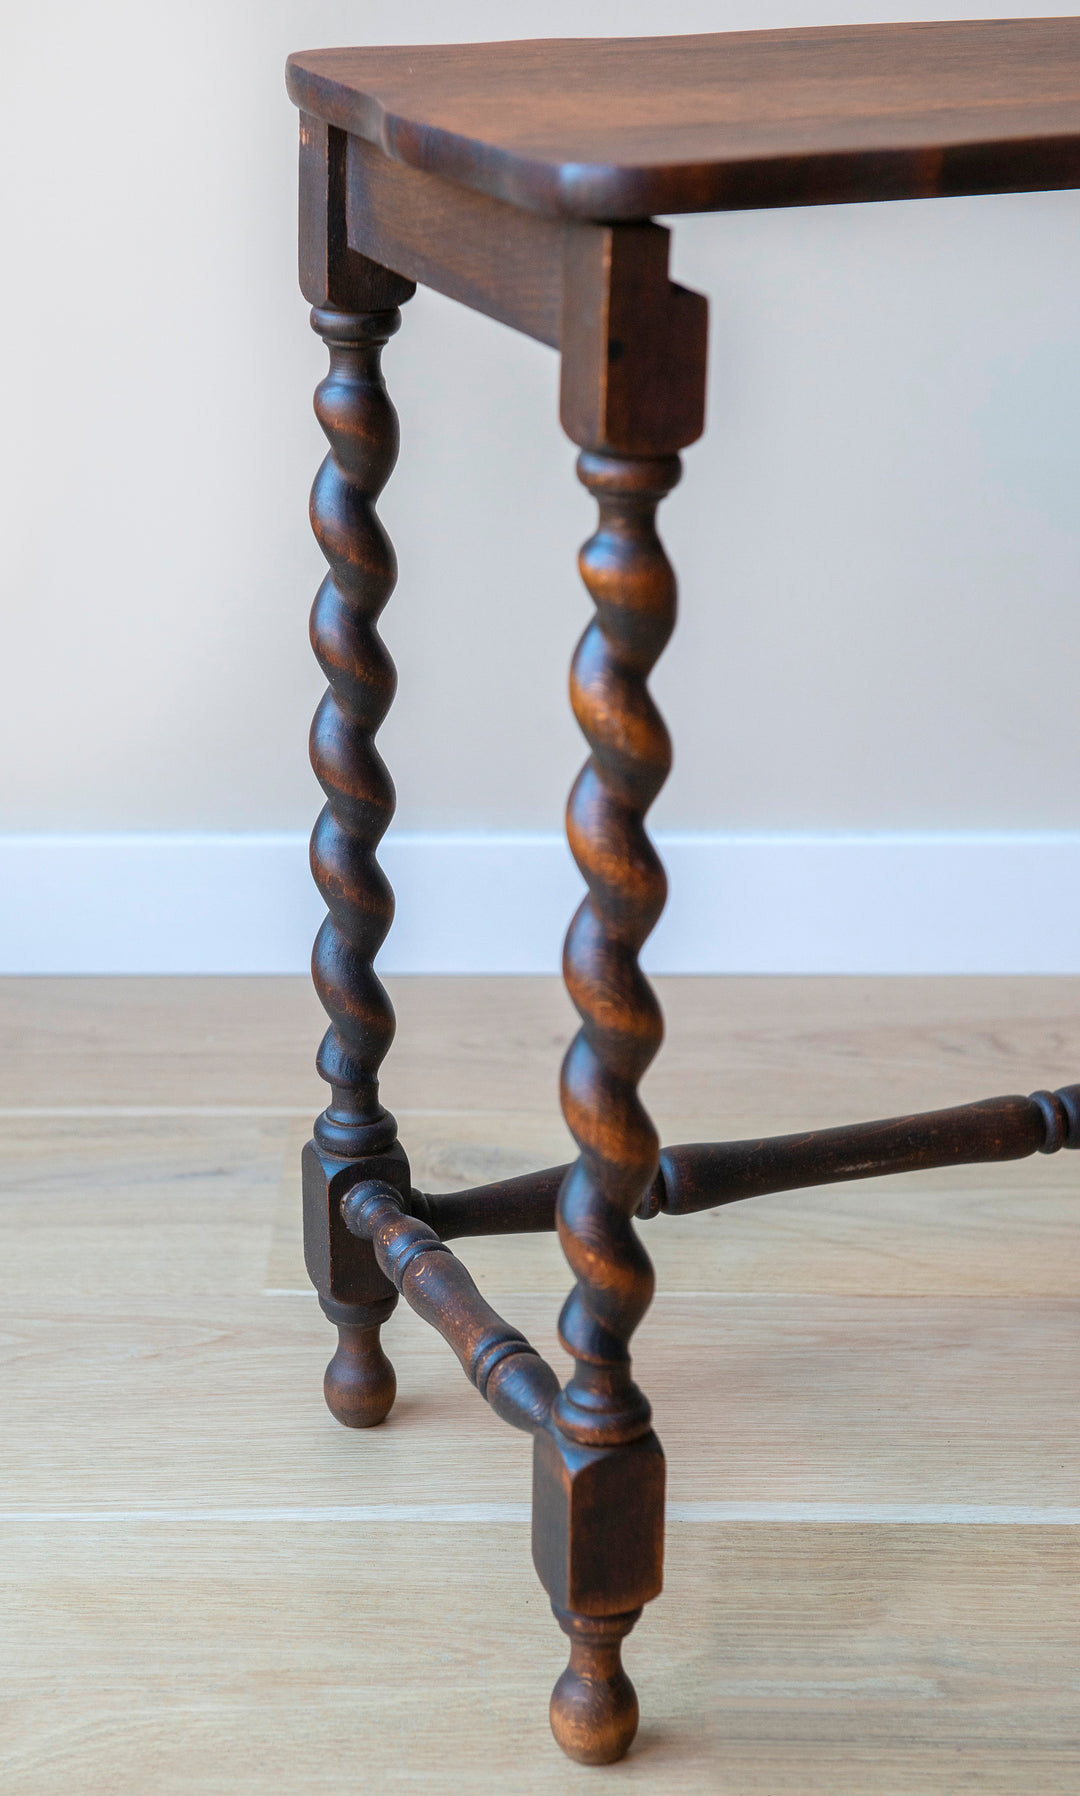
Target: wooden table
(522,180)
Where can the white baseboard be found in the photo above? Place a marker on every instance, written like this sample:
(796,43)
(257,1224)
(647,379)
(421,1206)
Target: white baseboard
(499,903)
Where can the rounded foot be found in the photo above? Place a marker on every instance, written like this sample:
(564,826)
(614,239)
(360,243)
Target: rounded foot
(359,1385)
(594,1707)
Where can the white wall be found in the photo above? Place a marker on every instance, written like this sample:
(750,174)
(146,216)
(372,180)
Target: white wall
(878,541)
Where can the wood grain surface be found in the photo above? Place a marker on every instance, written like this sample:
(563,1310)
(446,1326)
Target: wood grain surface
(206,1585)
(630,127)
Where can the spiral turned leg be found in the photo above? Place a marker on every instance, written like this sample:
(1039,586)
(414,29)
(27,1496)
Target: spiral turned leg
(599,1470)
(355,1137)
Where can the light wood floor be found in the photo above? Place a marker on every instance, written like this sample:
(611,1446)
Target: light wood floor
(868,1396)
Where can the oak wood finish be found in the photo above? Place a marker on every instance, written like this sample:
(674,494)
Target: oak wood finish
(355,1132)
(492,257)
(509,1373)
(520,179)
(332,272)
(704,1175)
(625,128)
(633,345)
(520,1206)
(699,1177)
(598,1480)
(360,424)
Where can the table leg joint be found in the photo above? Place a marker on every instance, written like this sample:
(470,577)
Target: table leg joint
(507,1371)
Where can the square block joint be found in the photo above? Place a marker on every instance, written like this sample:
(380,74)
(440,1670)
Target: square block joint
(340,1265)
(598,1523)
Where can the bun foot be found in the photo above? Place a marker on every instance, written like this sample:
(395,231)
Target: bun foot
(359,1385)
(594,1707)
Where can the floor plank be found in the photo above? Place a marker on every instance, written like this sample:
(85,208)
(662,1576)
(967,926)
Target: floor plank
(159,1400)
(143,1206)
(206,1585)
(270,1657)
(800,1051)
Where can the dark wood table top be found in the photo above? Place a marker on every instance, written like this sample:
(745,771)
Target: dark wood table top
(630,127)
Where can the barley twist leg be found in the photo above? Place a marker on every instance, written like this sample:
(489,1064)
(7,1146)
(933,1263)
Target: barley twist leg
(355,1136)
(601,1451)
